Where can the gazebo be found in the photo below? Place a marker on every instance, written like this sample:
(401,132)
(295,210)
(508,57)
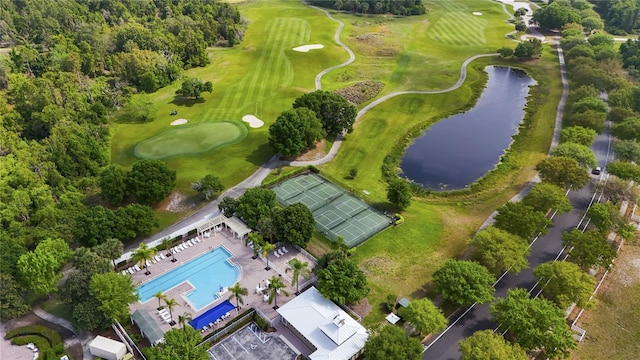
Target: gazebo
(235,225)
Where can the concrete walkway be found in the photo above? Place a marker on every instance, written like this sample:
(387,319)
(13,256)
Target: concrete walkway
(81,337)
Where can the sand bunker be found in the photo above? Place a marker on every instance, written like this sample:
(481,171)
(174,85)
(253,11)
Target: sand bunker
(477,13)
(179,122)
(253,121)
(306,48)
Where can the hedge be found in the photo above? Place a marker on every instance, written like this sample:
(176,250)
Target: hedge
(40,342)
(49,334)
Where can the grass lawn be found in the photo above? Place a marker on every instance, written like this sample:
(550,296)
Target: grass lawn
(262,76)
(191,139)
(56,307)
(613,327)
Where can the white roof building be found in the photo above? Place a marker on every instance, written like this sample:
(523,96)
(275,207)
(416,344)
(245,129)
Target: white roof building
(319,322)
(107,349)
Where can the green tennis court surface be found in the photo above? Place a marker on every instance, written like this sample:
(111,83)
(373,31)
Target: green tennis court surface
(336,211)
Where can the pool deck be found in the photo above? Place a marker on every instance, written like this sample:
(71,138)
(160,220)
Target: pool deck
(252,273)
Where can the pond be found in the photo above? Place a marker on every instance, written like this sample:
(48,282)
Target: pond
(456,151)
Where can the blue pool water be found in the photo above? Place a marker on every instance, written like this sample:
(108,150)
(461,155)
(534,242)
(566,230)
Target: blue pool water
(207,274)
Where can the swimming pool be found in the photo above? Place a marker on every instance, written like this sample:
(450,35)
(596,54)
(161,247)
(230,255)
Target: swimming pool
(207,274)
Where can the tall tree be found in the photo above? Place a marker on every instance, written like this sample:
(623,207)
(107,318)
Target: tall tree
(170,303)
(256,203)
(500,251)
(392,343)
(150,181)
(545,196)
(110,249)
(334,112)
(184,319)
(578,135)
(115,292)
(299,268)
(237,292)
(424,316)
(179,344)
(534,323)
(193,88)
(589,248)
(142,255)
(160,296)
(38,270)
(112,184)
(627,150)
(522,220)
(208,185)
(294,131)
(565,283)
(267,247)
(343,282)
(563,172)
(602,216)
(276,286)
(486,344)
(228,206)
(295,224)
(580,153)
(399,193)
(12,302)
(464,282)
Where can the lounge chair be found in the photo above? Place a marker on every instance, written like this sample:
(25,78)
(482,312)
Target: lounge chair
(124,272)
(162,311)
(30,346)
(161,256)
(181,247)
(136,267)
(277,254)
(265,297)
(284,250)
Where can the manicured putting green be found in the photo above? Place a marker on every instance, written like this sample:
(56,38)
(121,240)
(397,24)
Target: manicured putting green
(190,140)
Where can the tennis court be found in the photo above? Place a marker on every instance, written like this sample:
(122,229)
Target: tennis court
(337,213)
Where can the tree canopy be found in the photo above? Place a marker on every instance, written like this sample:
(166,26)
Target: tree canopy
(112,183)
(464,282)
(521,219)
(602,216)
(555,15)
(343,282)
(397,7)
(580,153)
(534,323)
(424,316)
(150,181)
(208,185)
(544,196)
(500,251)
(486,344)
(255,204)
(391,342)
(578,135)
(589,248)
(563,172)
(179,344)
(295,224)
(624,170)
(565,283)
(334,112)
(193,88)
(12,302)
(627,150)
(115,292)
(294,131)
(399,193)
(38,270)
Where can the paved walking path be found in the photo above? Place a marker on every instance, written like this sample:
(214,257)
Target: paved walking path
(82,338)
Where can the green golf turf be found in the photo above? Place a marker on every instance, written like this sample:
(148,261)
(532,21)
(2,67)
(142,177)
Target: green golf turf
(190,140)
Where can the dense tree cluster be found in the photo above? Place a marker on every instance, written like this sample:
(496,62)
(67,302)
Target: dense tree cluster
(620,16)
(343,282)
(397,7)
(464,282)
(392,343)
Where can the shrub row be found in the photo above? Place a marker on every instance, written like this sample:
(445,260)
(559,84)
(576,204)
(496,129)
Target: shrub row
(285,176)
(45,352)
(50,335)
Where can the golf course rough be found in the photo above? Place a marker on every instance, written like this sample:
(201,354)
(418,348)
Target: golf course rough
(191,140)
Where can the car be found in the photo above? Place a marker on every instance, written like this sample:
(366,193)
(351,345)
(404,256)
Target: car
(597,170)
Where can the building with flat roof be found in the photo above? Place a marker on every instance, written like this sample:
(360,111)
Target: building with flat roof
(107,349)
(324,326)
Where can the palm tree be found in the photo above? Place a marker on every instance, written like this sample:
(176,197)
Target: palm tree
(238,292)
(266,226)
(184,318)
(166,244)
(267,247)
(257,241)
(160,296)
(299,268)
(275,286)
(143,254)
(170,304)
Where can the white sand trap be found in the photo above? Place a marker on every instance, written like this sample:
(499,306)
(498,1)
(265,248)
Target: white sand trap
(306,48)
(179,122)
(477,13)
(253,121)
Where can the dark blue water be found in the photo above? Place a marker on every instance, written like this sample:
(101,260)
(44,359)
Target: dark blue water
(457,151)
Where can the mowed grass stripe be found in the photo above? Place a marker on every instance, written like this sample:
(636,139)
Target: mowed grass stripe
(304,33)
(274,55)
(458,29)
(275,33)
(284,69)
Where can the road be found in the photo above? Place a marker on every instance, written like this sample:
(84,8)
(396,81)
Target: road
(444,346)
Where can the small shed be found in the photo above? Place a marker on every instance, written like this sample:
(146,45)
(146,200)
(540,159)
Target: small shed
(404,302)
(148,327)
(107,349)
